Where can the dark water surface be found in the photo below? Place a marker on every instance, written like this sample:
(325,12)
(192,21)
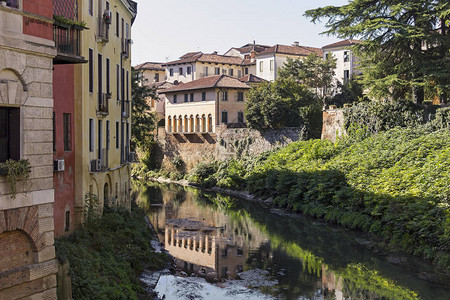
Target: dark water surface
(227,248)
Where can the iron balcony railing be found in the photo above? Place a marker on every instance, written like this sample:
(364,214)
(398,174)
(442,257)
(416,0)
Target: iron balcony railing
(126,47)
(68,43)
(103,30)
(103,103)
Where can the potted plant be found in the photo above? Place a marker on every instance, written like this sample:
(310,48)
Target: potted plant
(15,170)
(107,17)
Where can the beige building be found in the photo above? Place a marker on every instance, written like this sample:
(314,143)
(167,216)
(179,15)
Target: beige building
(103,123)
(270,60)
(197,65)
(247,52)
(151,72)
(27,255)
(201,105)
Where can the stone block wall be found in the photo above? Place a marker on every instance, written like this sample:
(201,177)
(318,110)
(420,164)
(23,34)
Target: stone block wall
(225,143)
(333,124)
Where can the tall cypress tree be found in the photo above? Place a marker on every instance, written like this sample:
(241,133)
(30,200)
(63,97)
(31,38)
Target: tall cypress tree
(405,44)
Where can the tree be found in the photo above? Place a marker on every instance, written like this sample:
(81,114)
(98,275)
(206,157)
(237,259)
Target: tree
(143,118)
(313,71)
(349,92)
(404,44)
(284,103)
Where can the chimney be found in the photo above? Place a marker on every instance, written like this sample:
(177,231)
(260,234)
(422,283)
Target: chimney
(252,55)
(296,44)
(215,52)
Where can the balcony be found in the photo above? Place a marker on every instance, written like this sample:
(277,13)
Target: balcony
(126,109)
(67,32)
(103,29)
(126,47)
(103,104)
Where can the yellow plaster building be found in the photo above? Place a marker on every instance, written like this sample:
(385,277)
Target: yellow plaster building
(103,124)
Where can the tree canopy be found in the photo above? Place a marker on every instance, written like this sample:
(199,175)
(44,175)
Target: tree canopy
(313,71)
(284,103)
(404,44)
(142,117)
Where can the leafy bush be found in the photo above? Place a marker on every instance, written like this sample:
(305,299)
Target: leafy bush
(393,184)
(108,254)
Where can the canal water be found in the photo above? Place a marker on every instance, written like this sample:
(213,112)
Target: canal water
(228,248)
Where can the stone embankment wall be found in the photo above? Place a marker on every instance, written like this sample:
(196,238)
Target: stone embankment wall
(333,124)
(225,143)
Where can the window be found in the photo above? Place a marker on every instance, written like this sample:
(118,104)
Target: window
(224,71)
(91,135)
(239,73)
(230,72)
(100,139)
(206,71)
(346,56)
(107,135)
(91,71)
(157,77)
(67,225)
(170,72)
(108,76)
(100,74)
(122,27)
(191,99)
(346,75)
(118,82)
(246,71)
(271,65)
(180,70)
(91,5)
(186,98)
(67,132)
(54,129)
(117,24)
(188,70)
(217,71)
(240,96)
(174,98)
(9,133)
(117,135)
(224,96)
(203,96)
(225,117)
(122,84)
(261,65)
(240,117)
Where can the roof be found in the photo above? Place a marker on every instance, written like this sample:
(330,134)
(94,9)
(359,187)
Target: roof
(150,66)
(162,85)
(218,81)
(211,58)
(292,50)
(248,62)
(344,43)
(191,54)
(251,79)
(249,47)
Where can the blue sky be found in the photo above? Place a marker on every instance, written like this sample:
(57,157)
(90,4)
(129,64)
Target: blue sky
(165,30)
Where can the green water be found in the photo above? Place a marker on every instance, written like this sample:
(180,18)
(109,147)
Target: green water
(304,258)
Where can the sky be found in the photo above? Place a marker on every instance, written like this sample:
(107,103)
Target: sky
(165,30)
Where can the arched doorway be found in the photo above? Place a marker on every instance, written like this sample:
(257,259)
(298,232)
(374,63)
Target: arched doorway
(169,124)
(210,127)
(106,197)
(203,123)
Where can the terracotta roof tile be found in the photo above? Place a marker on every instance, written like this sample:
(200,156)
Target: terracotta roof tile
(150,66)
(342,44)
(292,50)
(223,81)
(252,79)
(191,54)
(211,58)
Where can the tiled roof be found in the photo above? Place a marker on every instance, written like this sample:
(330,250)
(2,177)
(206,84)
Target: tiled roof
(211,58)
(162,85)
(150,66)
(342,44)
(252,79)
(292,50)
(190,54)
(249,47)
(223,81)
(248,62)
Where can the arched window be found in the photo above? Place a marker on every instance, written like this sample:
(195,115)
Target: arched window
(186,124)
(169,124)
(203,123)
(191,123)
(210,123)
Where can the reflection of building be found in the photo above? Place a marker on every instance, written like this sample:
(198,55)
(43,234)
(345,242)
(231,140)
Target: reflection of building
(198,106)
(205,251)
(331,283)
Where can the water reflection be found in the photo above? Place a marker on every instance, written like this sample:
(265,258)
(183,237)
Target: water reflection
(218,237)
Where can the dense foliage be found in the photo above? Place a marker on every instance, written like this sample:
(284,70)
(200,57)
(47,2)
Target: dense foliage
(284,103)
(313,71)
(393,184)
(405,44)
(143,118)
(108,254)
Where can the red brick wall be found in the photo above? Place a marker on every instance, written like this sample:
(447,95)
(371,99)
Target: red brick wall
(16,250)
(36,27)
